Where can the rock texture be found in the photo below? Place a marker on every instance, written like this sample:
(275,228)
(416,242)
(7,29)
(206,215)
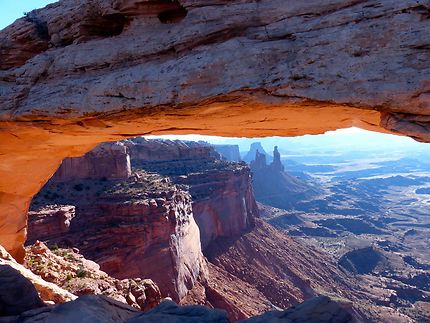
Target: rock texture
(222,196)
(48,292)
(223,290)
(140,227)
(85,309)
(52,220)
(106,161)
(17,294)
(228,152)
(316,310)
(275,187)
(78,73)
(91,309)
(71,271)
(283,270)
(223,203)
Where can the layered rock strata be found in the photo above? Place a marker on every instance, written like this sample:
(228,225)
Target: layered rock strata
(139,227)
(274,186)
(106,161)
(49,221)
(78,73)
(221,191)
(71,271)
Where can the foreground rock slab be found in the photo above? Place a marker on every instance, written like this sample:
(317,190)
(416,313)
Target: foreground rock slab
(17,294)
(48,292)
(100,309)
(316,310)
(86,309)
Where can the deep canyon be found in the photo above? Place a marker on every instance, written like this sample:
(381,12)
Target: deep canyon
(78,73)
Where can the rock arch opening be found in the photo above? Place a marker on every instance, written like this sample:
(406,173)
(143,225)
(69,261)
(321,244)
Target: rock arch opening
(341,199)
(274,75)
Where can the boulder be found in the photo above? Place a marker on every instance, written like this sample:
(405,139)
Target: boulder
(170,312)
(85,309)
(17,293)
(48,292)
(319,309)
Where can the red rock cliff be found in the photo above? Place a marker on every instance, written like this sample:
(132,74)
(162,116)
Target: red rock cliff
(141,226)
(108,160)
(223,198)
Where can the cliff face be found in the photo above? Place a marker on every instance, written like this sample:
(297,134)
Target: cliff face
(108,160)
(228,152)
(275,187)
(149,224)
(78,73)
(142,226)
(49,221)
(222,194)
(223,202)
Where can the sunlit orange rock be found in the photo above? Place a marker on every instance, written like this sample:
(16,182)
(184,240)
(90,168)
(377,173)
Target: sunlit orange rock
(77,73)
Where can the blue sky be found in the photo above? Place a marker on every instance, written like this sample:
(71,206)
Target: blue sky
(351,139)
(14,9)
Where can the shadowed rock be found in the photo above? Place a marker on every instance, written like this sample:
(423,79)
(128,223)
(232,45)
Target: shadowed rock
(171,312)
(17,293)
(316,310)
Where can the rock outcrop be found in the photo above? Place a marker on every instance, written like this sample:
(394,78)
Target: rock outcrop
(228,152)
(48,221)
(252,152)
(91,308)
(85,309)
(275,187)
(318,309)
(17,294)
(78,73)
(142,226)
(222,196)
(106,161)
(69,270)
(48,292)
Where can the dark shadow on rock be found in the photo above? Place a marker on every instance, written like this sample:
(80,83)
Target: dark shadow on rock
(17,293)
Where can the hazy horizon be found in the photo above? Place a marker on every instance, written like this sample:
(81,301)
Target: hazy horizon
(344,140)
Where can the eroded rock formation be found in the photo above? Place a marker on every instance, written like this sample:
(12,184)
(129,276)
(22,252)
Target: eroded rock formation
(228,152)
(222,194)
(77,73)
(275,187)
(48,221)
(25,286)
(106,161)
(142,226)
(71,271)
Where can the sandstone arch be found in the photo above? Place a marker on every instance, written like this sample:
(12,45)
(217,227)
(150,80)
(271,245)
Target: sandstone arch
(69,79)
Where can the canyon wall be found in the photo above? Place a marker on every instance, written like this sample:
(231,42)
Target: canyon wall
(78,73)
(222,194)
(108,160)
(223,202)
(274,186)
(180,197)
(136,227)
(228,152)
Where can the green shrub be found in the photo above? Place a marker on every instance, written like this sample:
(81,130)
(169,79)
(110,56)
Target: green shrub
(81,273)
